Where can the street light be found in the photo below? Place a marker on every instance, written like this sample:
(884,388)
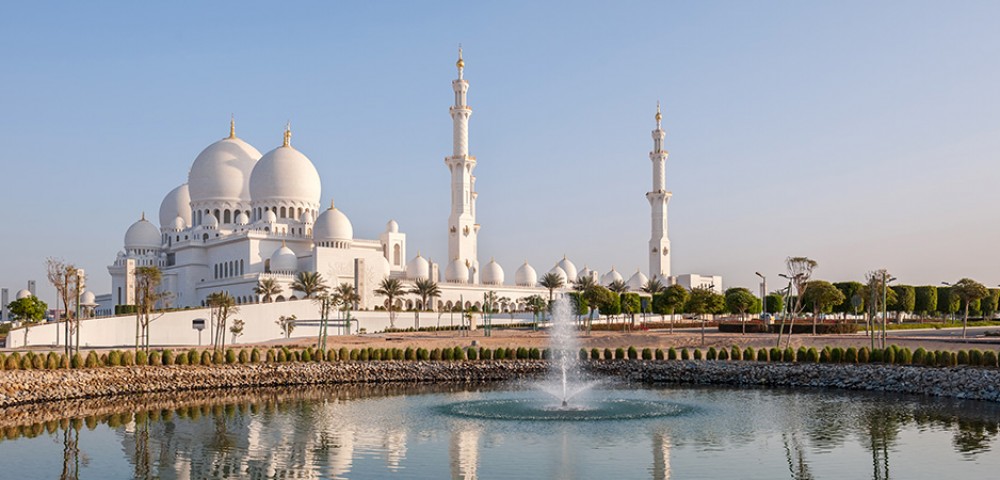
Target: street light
(711,288)
(885,307)
(763,296)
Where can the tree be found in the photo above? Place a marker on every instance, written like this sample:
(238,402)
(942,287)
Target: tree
(309,283)
(925,299)
(775,302)
(822,296)
(704,301)
(147,294)
(286,324)
(223,306)
(989,304)
(606,301)
(631,304)
(391,289)
(66,278)
(28,310)
(853,298)
(326,301)
(585,286)
(906,300)
(947,302)
(267,289)
(878,296)
(552,281)
(653,286)
(618,286)
(348,298)
(535,303)
(967,290)
(426,289)
(739,300)
(800,271)
(670,301)
(236,329)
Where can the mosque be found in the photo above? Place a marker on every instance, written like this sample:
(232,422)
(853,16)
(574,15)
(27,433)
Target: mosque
(242,217)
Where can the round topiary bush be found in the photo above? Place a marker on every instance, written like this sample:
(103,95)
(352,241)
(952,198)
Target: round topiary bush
(595,354)
(499,353)
(812,356)
(436,354)
(193,357)
(64,362)
(711,354)
(485,353)
(410,353)
(722,354)
(168,357)
(877,356)
(244,357)
(632,353)
(930,359)
(825,355)
(472,353)
(762,355)
(685,355)
(535,354)
(697,354)
(141,358)
(975,357)
(254,356)
(989,358)
(92,360)
(735,353)
(375,355)
(672,353)
(963,357)
(647,354)
(802,355)
(181,359)
(423,354)
(522,353)
(128,359)
(218,357)
(3,362)
(344,354)
(230,356)
(365,354)
(206,358)
(457,353)
(658,354)
(75,362)
(51,361)
(608,354)
(749,354)
(619,353)
(114,358)
(154,359)
(512,354)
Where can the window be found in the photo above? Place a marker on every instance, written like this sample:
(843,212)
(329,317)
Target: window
(396,254)
(228,219)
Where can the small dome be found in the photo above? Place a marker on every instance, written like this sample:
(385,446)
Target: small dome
(525,276)
(142,234)
(88,299)
(586,272)
(392,227)
(22,293)
(283,260)
(222,172)
(270,216)
(241,219)
(333,225)
(177,203)
(307,217)
(637,281)
(285,175)
(492,274)
(457,272)
(179,224)
(610,277)
(569,268)
(209,221)
(559,271)
(419,267)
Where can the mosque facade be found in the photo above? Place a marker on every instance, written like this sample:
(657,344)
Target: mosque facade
(242,217)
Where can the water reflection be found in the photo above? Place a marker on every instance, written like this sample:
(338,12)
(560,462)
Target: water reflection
(340,432)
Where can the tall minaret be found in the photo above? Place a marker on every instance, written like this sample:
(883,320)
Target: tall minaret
(462,226)
(659,243)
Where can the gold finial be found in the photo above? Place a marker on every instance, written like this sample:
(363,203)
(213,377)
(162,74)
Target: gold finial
(232,126)
(460,63)
(288,135)
(331,204)
(143,215)
(282,243)
(659,116)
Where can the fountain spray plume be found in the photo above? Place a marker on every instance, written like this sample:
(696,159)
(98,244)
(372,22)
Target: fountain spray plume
(563,381)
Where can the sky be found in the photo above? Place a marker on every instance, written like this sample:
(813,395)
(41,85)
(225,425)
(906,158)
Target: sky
(861,134)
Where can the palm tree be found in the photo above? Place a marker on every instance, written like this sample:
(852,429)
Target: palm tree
(223,306)
(347,298)
(425,288)
(618,286)
(586,286)
(390,288)
(552,281)
(309,283)
(653,286)
(267,288)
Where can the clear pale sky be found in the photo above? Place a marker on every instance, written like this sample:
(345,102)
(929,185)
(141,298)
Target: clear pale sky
(861,134)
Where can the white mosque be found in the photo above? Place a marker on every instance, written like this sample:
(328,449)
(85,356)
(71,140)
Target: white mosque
(242,217)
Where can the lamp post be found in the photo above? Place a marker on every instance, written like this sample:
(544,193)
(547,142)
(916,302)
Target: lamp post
(784,306)
(711,288)
(948,300)
(885,307)
(763,296)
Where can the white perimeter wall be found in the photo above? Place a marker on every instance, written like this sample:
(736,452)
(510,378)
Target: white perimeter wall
(174,328)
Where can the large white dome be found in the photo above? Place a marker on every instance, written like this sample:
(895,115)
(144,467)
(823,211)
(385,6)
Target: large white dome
(22,293)
(525,276)
(88,299)
(141,235)
(284,176)
(637,281)
(610,277)
(418,268)
(560,272)
(177,203)
(457,272)
(332,225)
(221,172)
(492,274)
(586,272)
(569,268)
(283,260)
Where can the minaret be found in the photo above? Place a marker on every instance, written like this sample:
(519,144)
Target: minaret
(659,243)
(462,226)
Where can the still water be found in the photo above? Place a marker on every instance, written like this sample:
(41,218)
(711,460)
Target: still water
(506,432)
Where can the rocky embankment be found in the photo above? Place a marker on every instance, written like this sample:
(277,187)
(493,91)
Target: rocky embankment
(34,386)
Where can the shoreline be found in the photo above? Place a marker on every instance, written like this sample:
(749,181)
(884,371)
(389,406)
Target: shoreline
(43,386)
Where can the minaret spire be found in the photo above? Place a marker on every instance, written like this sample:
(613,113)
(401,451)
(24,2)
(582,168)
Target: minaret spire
(462,227)
(232,126)
(288,134)
(659,197)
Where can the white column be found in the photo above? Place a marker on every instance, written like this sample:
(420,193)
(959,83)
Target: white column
(462,227)
(659,197)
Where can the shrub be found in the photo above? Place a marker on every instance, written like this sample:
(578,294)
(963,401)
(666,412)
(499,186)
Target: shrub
(975,357)
(762,355)
(365,354)
(343,354)
(812,356)
(522,353)
(410,353)
(837,355)
(230,356)
(168,357)
(595,354)
(376,354)
(218,357)
(877,356)
(647,354)
(3,363)
(735,353)
(989,358)
(270,356)
(619,353)
(963,357)
(889,356)
(51,361)
(128,359)
(485,353)
(64,362)
(499,353)
(684,354)
(801,355)
(181,359)
(75,362)
(546,354)
(748,354)
(114,358)
(918,356)
(472,353)
(154,359)
(658,354)
(511,354)
(825,355)
(436,354)
(723,354)
(244,357)
(904,356)
(672,353)
(942,358)
(457,353)
(930,359)
(632,353)
(697,354)
(608,354)
(37,362)
(711,354)
(423,354)
(534,354)
(141,358)
(206,357)
(92,360)
(398,354)
(864,355)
